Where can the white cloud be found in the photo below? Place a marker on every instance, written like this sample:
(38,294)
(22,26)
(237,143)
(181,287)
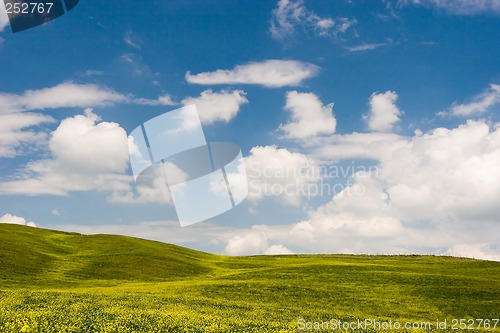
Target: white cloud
(156,192)
(475,250)
(280,173)
(269,73)
(12,219)
(18,126)
(73,95)
(277,249)
(365,47)
(86,154)
(254,242)
(289,14)
(151,188)
(434,192)
(480,103)
(131,39)
(441,174)
(374,146)
(459,7)
(356,220)
(56,212)
(309,117)
(67,94)
(16,132)
(217,106)
(4,18)
(383,111)
(85,144)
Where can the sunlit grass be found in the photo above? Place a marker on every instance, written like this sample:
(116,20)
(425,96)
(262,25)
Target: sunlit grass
(59,282)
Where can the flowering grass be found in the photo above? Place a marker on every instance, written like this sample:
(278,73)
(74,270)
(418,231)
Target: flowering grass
(62,282)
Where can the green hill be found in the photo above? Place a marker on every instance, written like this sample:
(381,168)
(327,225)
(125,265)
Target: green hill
(53,281)
(46,257)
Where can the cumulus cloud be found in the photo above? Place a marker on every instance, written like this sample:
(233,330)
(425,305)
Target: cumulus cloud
(435,192)
(152,187)
(217,106)
(12,219)
(355,220)
(459,7)
(372,146)
(250,243)
(269,73)
(17,132)
(383,111)
(309,117)
(86,154)
(439,175)
(277,249)
(290,14)
(86,144)
(479,104)
(475,250)
(256,240)
(18,125)
(280,173)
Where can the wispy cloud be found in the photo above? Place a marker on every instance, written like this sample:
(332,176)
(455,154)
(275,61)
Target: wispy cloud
(162,100)
(365,47)
(92,72)
(131,39)
(16,132)
(289,14)
(136,65)
(71,95)
(479,104)
(67,94)
(459,7)
(269,73)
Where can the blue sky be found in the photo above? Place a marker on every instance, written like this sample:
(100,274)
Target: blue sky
(402,97)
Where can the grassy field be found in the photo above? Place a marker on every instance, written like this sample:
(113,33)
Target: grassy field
(64,282)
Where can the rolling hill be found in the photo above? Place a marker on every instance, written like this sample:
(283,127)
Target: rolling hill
(114,283)
(46,257)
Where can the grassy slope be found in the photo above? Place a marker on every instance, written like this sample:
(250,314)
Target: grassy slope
(45,258)
(276,289)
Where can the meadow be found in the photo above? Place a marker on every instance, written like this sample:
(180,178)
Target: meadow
(53,281)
